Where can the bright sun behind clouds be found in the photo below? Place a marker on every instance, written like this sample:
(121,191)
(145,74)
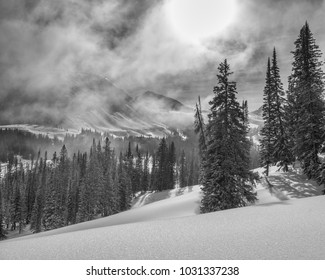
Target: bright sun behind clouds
(196,20)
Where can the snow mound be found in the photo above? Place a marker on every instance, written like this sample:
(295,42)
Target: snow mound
(171,204)
(292,229)
(150,197)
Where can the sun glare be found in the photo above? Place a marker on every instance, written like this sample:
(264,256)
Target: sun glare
(196,20)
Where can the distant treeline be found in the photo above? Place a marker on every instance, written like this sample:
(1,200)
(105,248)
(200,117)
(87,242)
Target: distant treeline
(27,145)
(63,190)
(18,142)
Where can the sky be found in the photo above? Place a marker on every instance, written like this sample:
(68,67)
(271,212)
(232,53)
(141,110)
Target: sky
(49,49)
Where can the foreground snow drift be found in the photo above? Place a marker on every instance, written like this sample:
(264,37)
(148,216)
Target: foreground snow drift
(168,204)
(292,229)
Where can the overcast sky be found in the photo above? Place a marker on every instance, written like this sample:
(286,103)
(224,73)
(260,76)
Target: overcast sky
(172,47)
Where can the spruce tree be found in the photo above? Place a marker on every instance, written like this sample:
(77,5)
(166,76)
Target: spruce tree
(50,216)
(171,166)
(39,204)
(182,171)
(306,103)
(281,151)
(199,127)
(200,130)
(145,176)
(227,182)
(163,168)
(72,196)
(109,195)
(124,184)
(2,230)
(138,170)
(268,130)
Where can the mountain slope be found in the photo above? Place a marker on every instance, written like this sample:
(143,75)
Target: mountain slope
(167,103)
(287,230)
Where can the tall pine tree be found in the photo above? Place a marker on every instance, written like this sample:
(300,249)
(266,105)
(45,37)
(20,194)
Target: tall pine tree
(227,180)
(305,102)
(281,151)
(268,130)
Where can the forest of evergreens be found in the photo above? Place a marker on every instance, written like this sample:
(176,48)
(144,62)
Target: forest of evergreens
(294,128)
(61,190)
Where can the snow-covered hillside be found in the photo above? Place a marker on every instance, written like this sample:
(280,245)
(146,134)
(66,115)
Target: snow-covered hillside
(51,132)
(166,226)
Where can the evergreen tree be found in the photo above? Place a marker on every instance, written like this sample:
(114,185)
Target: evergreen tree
(2,230)
(281,151)
(245,114)
(130,168)
(163,168)
(171,166)
(114,171)
(306,103)
(72,196)
(94,182)
(62,179)
(182,171)
(138,171)
(109,194)
(199,127)
(50,216)
(268,130)
(200,130)
(227,182)
(83,209)
(37,213)
(124,184)
(145,175)
(30,192)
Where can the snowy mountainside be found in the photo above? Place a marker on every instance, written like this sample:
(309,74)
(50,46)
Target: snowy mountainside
(255,118)
(95,102)
(167,226)
(51,132)
(149,114)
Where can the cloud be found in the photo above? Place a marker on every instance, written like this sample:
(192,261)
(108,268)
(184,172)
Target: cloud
(65,57)
(47,45)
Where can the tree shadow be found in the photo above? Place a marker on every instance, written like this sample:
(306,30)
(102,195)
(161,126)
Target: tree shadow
(180,191)
(197,208)
(151,197)
(293,185)
(273,203)
(274,191)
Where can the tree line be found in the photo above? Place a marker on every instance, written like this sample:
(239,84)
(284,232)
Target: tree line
(27,144)
(56,192)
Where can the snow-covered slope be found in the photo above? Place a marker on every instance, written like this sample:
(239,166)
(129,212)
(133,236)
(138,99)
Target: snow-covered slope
(166,226)
(168,204)
(51,132)
(287,230)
